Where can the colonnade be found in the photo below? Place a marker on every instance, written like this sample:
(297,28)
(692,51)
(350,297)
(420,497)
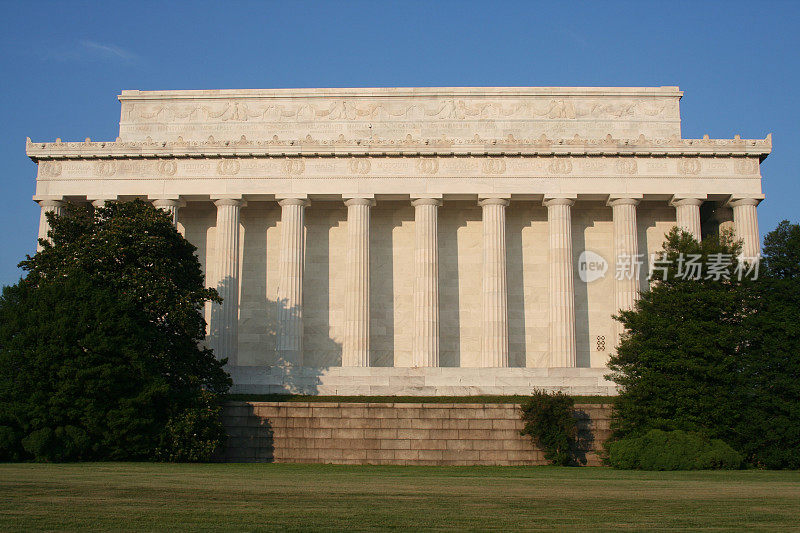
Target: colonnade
(425,351)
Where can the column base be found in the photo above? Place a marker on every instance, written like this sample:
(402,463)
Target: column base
(393,381)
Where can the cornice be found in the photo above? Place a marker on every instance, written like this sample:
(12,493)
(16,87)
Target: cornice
(400,92)
(309,147)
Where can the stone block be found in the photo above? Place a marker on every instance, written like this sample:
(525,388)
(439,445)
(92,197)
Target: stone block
(396,444)
(461,455)
(406,454)
(426,423)
(459,445)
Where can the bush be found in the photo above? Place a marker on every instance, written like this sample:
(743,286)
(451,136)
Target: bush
(194,434)
(672,450)
(550,422)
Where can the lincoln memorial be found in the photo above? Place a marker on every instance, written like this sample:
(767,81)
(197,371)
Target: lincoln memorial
(416,241)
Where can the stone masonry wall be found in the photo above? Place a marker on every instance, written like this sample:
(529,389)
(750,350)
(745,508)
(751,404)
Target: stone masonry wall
(394,433)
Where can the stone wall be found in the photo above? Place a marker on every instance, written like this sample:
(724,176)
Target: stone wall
(394,433)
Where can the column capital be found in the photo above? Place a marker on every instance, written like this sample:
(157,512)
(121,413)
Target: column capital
(687,199)
(736,201)
(494,201)
(426,201)
(624,199)
(565,199)
(167,202)
(100,202)
(238,202)
(359,201)
(51,203)
(292,201)
(39,198)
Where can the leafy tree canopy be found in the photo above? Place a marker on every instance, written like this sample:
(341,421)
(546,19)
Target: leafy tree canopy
(717,356)
(100,354)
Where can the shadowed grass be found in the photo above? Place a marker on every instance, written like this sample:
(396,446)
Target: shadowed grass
(402,399)
(144,496)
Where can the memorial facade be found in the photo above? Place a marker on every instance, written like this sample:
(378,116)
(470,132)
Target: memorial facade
(416,241)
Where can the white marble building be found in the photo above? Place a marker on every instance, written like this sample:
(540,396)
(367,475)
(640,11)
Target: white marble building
(415,240)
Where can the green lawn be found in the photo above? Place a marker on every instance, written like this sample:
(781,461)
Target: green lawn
(294,497)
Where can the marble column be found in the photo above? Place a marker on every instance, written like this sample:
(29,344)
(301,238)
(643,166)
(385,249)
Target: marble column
(626,249)
(355,351)
(687,215)
(170,206)
(425,343)
(48,206)
(494,338)
(224,322)
(563,352)
(289,342)
(745,224)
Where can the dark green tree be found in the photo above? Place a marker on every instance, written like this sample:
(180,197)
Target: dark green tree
(714,355)
(767,429)
(100,354)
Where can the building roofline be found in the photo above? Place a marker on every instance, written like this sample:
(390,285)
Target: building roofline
(387,92)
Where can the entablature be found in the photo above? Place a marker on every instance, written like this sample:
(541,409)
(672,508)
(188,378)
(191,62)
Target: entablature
(309,147)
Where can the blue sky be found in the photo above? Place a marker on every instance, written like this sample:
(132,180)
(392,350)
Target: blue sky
(63,64)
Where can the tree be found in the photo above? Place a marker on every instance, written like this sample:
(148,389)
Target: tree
(716,356)
(100,354)
(768,425)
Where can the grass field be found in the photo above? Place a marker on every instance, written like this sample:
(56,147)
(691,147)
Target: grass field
(298,497)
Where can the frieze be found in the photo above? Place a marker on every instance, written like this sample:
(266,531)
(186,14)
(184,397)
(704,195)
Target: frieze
(745,166)
(396,167)
(366,113)
(241,110)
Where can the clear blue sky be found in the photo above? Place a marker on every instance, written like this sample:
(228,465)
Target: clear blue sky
(63,64)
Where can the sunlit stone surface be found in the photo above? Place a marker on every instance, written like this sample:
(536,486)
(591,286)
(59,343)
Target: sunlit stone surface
(416,240)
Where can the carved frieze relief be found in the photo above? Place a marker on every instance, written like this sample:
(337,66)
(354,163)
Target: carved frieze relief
(626,166)
(228,167)
(494,166)
(689,166)
(560,166)
(427,166)
(167,167)
(398,167)
(360,165)
(745,166)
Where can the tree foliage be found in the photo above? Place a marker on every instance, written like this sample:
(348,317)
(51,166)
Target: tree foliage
(717,356)
(100,354)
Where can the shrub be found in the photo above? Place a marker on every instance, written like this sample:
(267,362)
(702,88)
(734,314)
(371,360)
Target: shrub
(550,422)
(194,434)
(672,450)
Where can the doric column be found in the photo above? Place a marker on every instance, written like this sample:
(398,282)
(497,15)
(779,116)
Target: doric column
(687,214)
(425,343)
(626,249)
(562,285)
(745,223)
(170,206)
(290,281)
(494,339)
(355,351)
(48,206)
(225,317)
